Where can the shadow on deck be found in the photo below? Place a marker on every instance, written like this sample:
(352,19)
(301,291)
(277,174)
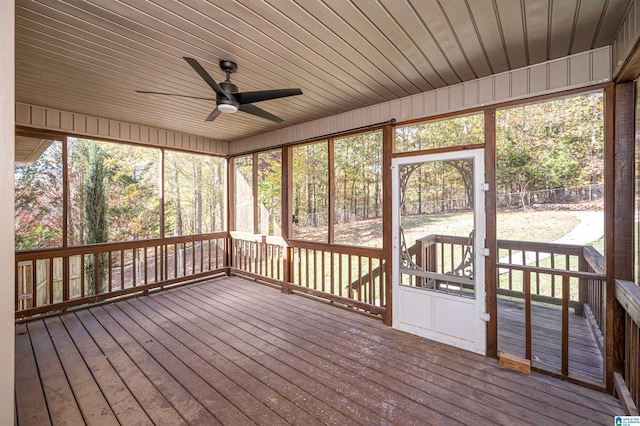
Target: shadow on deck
(585,357)
(229,351)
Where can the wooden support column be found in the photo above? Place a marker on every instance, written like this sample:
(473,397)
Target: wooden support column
(491,241)
(287,215)
(624,171)
(231,210)
(65,218)
(387,211)
(254,191)
(609,190)
(619,214)
(332,191)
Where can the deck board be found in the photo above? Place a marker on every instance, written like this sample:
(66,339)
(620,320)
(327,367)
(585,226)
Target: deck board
(61,402)
(310,314)
(229,351)
(130,393)
(238,352)
(91,401)
(33,406)
(585,358)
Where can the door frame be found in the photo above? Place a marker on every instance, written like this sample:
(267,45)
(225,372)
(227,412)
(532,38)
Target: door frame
(479,345)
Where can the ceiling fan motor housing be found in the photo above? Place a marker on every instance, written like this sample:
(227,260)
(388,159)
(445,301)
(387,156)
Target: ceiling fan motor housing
(224,104)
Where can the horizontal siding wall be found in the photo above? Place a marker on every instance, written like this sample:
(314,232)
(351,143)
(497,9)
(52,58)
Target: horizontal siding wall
(94,127)
(575,71)
(626,39)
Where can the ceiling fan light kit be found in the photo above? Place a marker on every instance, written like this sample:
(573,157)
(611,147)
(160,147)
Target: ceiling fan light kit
(227,108)
(228,99)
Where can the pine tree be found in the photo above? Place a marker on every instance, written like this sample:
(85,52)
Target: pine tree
(95,210)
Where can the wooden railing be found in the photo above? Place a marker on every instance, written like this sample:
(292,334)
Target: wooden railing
(258,255)
(568,276)
(53,279)
(345,274)
(546,287)
(594,295)
(627,344)
(445,255)
(352,276)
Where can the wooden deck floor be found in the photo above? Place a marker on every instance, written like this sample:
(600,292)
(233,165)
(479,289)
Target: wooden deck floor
(229,351)
(585,359)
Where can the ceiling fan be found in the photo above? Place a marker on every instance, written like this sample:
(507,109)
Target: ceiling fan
(228,99)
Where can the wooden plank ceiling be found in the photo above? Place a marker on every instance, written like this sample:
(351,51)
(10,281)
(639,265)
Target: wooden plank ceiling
(90,56)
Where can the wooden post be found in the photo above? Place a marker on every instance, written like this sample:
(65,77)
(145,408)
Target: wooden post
(491,241)
(287,212)
(527,314)
(254,191)
(65,219)
(231,222)
(162,194)
(420,262)
(613,356)
(387,210)
(332,191)
(619,208)
(565,325)
(624,174)
(583,286)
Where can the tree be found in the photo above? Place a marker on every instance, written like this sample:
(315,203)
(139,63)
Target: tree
(38,201)
(95,214)
(550,145)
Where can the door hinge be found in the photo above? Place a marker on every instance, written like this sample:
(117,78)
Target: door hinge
(484,186)
(485,252)
(485,316)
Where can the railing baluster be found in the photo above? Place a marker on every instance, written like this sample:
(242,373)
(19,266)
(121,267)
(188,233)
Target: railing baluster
(332,274)
(50,279)
(134,268)
(350,290)
(155,264)
(371,295)
(184,258)
(565,324)
(201,255)
(82,272)
(165,273)
(96,273)
(324,255)
(537,273)
(340,274)
(306,267)
(553,277)
(193,257)
(510,271)
(360,290)
(110,273)
(146,275)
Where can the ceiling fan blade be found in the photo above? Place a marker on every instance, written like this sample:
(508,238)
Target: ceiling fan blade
(213,115)
(265,95)
(176,95)
(206,77)
(254,110)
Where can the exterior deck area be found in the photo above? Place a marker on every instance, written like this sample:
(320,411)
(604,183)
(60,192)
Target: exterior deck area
(230,351)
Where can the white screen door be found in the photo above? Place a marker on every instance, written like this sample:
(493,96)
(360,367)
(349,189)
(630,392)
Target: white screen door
(438,242)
